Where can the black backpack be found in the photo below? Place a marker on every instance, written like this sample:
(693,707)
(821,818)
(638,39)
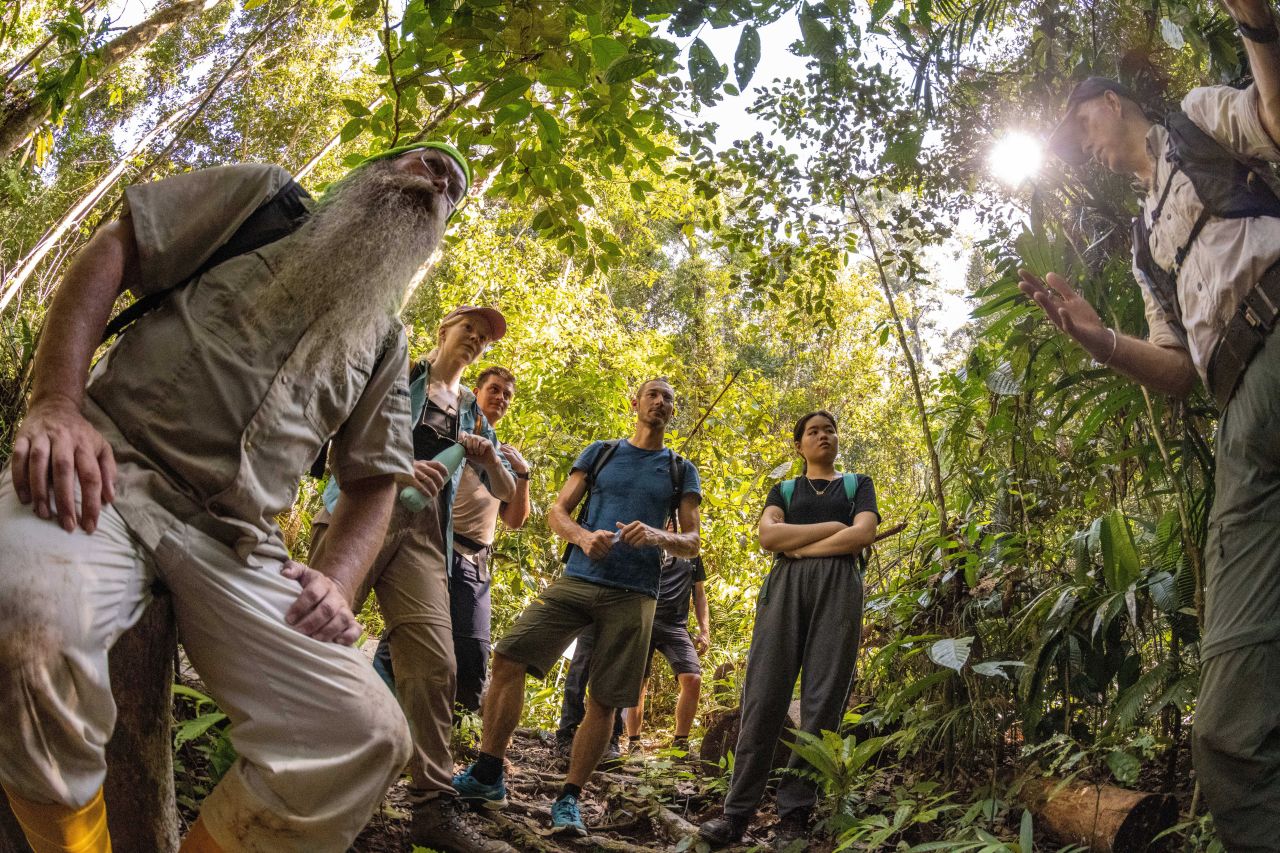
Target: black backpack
(278,217)
(602,458)
(1229,187)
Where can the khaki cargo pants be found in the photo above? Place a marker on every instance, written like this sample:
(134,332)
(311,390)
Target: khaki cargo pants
(412,585)
(319,737)
(1237,723)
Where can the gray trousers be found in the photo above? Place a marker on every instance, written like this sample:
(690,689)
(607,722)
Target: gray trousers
(808,624)
(1236,743)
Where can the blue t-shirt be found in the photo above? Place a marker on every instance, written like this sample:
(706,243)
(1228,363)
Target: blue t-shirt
(634,485)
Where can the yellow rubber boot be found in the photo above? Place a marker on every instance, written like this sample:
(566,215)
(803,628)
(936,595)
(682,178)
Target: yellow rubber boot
(63,829)
(199,840)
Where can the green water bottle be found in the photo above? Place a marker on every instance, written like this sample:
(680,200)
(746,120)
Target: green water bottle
(412,498)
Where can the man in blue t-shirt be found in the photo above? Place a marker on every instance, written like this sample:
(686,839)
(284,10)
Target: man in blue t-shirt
(610,585)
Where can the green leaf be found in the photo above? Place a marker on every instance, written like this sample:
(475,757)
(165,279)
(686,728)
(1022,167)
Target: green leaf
(352,129)
(1124,767)
(818,40)
(747,56)
(355,108)
(561,78)
(194,728)
(1027,834)
(951,653)
(504,92)
(879,9)
(628,67)
(704,71)
(606,50)
(994,668)
(549,126)
(1120,566)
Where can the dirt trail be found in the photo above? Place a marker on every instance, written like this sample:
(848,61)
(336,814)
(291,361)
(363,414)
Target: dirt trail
(650,803)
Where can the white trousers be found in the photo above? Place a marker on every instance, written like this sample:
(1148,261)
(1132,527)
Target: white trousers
(319,737)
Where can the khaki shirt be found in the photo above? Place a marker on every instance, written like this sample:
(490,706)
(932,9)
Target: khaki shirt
(1230,255)
(209,400)
(475,509)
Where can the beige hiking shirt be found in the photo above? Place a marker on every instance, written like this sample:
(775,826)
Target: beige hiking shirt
(1230,255)
(475,509)
(210,399)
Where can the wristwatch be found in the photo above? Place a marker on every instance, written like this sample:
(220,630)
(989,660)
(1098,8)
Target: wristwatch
(1260,35)
(523,475)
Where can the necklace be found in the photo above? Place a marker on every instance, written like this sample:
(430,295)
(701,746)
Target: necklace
(815,488)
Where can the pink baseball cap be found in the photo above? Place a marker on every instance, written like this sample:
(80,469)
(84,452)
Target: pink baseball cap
(492,316)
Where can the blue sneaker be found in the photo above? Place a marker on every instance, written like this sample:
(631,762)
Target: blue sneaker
(472,790)
(566,818)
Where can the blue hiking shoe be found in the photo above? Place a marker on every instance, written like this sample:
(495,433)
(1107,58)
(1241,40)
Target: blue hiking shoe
(472,790)
(566,818)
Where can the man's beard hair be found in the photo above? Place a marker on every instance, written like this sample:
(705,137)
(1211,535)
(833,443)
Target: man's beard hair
(349,267)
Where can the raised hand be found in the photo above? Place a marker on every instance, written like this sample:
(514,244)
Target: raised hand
(56,446)
(1067,310)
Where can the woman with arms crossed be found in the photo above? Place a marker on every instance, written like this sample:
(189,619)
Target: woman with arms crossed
(808,617)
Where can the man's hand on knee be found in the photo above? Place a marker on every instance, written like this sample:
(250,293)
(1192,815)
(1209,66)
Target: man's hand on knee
(57,447)
(322,610)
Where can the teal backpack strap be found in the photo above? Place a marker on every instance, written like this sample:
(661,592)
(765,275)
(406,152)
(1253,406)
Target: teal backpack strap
(850,485)
(788,488)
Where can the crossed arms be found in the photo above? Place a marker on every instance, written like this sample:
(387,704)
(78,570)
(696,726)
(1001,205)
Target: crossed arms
(825,539)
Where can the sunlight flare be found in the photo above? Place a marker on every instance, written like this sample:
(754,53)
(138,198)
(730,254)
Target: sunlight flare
(1016,157)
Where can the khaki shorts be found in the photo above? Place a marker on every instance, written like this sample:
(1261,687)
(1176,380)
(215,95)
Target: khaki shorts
(622,620)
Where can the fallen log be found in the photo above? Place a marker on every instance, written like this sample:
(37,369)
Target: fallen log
(1101,818)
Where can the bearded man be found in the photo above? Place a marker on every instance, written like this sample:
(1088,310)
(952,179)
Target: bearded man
(170,465)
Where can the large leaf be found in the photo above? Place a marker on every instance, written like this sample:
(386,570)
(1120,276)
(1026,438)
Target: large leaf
(818,40)
(747,56)
(705,72)
(505,91)
(1120,566)
(951,652)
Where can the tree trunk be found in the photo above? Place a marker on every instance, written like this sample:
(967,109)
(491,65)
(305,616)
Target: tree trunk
(1101,818)
(11,838)
(939,493)
(25,117)
(141,811)
(78,211)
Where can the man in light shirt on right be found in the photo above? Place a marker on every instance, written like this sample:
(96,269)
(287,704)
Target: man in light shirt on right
(1206,251)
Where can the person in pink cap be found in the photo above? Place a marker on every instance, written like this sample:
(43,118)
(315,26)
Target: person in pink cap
(410,574)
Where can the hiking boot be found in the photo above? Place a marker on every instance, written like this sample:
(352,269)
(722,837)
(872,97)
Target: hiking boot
(441,824)
(563,748)
(472,790)
(635,748)
(612,758)
(566,818)
(791,833)
(724,830)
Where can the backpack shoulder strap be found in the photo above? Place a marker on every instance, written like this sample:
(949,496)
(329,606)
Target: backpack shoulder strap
(850,485)
(602,459)
(787,488)
(677,487)
(275,218)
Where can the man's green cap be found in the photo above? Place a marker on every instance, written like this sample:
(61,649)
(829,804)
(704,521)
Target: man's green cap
(418,146)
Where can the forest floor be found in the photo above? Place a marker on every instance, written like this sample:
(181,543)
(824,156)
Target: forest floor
(653,801)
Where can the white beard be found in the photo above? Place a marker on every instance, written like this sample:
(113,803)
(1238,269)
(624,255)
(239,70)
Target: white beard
(351,264)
